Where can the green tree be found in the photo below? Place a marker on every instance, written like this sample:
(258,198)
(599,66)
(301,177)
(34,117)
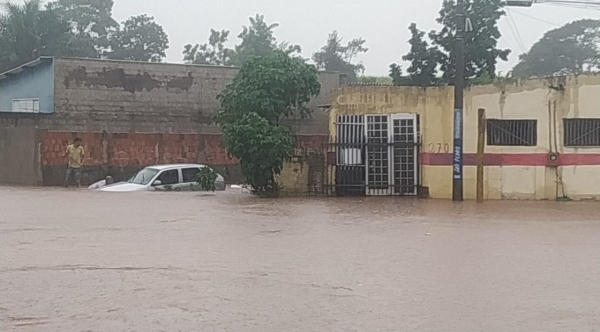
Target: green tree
(213,53)
(336,57)
(267,90)
(91,23)
(28,32)
(206,179)
(257,39)
(383,80)
(481,45)
(262,149)
(140,39)
(398,77)
(571,49)
(423,60)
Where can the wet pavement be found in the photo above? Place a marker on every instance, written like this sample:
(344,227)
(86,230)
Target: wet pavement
(85,261)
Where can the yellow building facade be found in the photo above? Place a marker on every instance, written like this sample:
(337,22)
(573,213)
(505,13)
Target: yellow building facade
(542,142)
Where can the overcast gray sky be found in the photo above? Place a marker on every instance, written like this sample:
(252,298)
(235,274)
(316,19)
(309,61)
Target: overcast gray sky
(383,23)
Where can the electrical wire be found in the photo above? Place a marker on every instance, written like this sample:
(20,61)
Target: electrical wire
(515,32)
(584,4)
(532,17)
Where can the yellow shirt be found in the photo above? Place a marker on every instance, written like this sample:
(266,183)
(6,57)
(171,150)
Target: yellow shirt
(75,155)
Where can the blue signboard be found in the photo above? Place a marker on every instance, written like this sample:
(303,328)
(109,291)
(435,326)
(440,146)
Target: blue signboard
(457,157)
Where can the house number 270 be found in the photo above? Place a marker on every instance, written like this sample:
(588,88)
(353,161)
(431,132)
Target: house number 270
(438,148)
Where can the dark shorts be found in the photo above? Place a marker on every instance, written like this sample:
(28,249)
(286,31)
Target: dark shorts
(70,172)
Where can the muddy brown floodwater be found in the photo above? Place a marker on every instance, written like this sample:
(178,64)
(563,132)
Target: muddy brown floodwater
(85,261)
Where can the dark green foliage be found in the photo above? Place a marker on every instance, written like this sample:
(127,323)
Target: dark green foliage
(433,62)
(76,28)
(261,147)
(140,39)
(28,32)
(91,24)
(273,86)
(571,49)
(336,57)
(266,90)
(481,44)
(206,179)
(257,39)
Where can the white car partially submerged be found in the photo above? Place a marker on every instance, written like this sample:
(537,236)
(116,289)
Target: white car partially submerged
(181,177)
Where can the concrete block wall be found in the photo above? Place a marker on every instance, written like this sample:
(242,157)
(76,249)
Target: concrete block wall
(133,97)
(133,114)
(305,173)
(20,155)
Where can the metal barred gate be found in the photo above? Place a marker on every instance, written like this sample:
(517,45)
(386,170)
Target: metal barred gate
(375,155)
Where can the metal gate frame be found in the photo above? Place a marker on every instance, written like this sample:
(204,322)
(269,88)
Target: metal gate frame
(352,153)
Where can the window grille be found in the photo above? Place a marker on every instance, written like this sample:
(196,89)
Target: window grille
(512,132)
(581,132)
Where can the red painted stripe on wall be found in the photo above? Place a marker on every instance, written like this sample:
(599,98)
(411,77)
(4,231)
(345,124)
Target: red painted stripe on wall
(512,159)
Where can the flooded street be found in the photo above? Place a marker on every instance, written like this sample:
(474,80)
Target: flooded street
(84,261)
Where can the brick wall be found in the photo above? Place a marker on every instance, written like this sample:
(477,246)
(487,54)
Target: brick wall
(136,149)
(121,155)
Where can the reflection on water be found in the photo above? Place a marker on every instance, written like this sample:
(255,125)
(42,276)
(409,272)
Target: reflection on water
(84,261)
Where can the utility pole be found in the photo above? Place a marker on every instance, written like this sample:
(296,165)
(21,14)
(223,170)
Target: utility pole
(459,86)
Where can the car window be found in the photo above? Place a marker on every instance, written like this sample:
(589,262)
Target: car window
(190,174)
(144,176)
(169,177)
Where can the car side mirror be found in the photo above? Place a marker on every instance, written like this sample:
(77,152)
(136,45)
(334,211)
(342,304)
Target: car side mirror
(157,183)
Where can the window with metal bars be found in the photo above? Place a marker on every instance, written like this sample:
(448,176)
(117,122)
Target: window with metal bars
(582,132)
(512,132)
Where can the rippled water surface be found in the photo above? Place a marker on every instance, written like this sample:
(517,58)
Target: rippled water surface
(84,261)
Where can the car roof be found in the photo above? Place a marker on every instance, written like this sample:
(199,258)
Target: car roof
(171,166)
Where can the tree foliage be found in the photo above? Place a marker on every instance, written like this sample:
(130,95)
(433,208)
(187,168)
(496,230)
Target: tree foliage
(434,62)
(91,23)
(256,39)
(28,32)
(336,57)
(398,77)
(213,53)
(423,60)
(82,28)
(571,49)
(382,80)
(274,87)
(139,39)
(206,179)
(267,90)
(262,149)
(481,44)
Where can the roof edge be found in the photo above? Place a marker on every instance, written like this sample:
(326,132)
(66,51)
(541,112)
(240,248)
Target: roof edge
(30,64)
(168,63)
(40,60)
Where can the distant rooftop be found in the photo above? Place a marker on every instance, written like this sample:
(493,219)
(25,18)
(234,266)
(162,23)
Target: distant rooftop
(43,59)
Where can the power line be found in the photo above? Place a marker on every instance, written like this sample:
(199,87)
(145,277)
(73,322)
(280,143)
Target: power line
(515,33)
(532,17)
(585,4)
(571,2)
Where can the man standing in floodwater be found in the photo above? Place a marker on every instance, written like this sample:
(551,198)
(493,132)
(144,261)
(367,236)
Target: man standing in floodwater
(76,155)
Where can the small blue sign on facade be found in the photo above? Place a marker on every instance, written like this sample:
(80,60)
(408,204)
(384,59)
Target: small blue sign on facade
(457,160)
